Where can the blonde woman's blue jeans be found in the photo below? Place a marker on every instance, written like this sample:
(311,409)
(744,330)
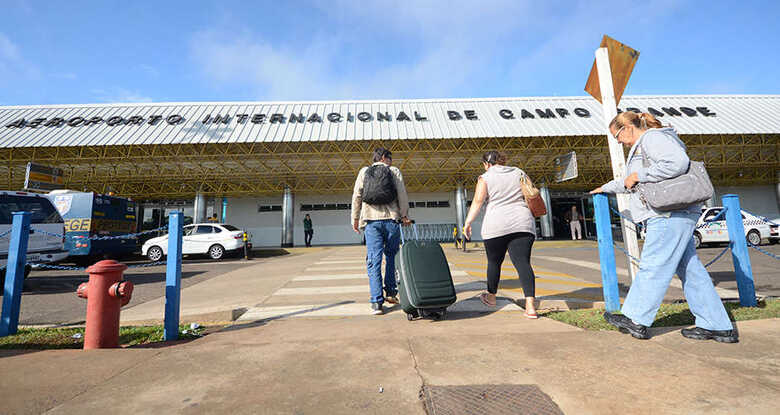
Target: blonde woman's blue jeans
(669,249)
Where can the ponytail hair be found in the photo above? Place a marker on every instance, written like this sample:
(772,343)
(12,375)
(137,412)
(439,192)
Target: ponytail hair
(642,121)
(494,157)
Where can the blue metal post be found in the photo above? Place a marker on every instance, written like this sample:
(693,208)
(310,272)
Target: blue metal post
(224,210)
(173,277)
(14,273)
(606,252)
(739,251)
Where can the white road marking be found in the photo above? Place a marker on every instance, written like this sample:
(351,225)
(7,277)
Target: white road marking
(327,277)
(357,309)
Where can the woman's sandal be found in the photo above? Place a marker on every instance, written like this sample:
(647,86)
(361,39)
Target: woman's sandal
(484,298)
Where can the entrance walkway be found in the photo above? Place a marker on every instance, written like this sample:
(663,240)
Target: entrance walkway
(337,285)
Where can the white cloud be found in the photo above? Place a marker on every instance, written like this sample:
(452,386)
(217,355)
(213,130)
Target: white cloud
(119,94)
(13,66)
(440,48)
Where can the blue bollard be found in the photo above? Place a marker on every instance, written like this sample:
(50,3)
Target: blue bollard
(173,277)
(606,252)
(14,273)
(739,251)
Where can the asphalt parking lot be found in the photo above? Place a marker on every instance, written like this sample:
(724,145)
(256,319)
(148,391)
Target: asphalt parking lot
(50,297)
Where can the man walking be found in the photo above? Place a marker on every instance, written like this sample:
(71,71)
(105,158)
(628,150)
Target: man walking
(379,201)
(308,230)
(574,223)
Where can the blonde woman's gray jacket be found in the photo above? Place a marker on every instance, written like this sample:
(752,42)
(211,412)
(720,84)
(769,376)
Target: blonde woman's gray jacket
(666,159)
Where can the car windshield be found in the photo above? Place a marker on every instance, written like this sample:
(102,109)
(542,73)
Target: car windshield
(41,210)
(230,228)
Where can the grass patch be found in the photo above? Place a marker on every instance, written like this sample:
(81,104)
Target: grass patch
(73,338)
(669,315)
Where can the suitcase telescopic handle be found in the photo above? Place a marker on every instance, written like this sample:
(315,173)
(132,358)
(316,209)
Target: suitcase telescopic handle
(414,226)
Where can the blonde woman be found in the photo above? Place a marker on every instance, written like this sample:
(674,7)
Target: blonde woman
(669,246)
(508,225)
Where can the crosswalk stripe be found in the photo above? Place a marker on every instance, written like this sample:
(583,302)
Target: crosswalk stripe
(337,268)
(547,280)
(362,288)
(343,261)
(357,309)
(326,277)
(344,289)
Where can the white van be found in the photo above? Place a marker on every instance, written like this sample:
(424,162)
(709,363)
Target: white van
(756,228)
(40,247)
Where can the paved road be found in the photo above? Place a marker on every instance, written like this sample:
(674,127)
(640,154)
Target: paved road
(567,270)
(50,296)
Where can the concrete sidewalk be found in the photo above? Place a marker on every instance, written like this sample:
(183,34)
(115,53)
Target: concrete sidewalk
(338,365)
(305,344)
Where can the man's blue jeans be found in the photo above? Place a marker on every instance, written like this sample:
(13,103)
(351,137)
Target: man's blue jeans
(382,237)
(669,249)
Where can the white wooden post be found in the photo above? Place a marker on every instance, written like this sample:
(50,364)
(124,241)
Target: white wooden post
(616,154)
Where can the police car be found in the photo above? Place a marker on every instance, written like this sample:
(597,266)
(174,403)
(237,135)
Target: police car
(756,228)
(41,248)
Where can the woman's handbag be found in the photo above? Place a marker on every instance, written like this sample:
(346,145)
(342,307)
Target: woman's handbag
(532,197)
(692,187)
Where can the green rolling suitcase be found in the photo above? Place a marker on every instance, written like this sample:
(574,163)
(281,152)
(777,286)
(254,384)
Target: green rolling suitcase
(424,279)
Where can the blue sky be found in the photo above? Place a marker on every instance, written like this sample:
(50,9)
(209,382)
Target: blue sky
(54,52)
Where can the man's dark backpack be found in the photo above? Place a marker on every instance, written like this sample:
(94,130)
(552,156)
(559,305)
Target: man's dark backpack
(378,185)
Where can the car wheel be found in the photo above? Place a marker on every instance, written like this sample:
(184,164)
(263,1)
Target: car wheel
(216,252)
(697,240)
(154,253)
(753,237)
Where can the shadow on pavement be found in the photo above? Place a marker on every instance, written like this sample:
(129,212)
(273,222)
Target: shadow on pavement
(260,322)
(69,283)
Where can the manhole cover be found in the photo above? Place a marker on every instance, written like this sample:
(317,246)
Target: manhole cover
(487,399)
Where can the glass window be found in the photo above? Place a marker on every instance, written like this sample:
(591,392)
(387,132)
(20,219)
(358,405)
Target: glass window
(711,214)
(230,228)
(201,229)
(187,230)
(217,229)
(42,211)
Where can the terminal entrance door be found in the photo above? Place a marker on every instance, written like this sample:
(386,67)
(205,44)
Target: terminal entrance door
(561,210)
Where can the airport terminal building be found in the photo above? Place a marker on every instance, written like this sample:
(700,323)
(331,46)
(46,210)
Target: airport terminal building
(263,165)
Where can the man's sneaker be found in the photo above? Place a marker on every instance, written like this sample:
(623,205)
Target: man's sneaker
(723,336)
(392,299)
(622,322)
(376,309)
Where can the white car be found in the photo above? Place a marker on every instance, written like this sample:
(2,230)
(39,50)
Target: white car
(774,230)
(756,228)
(41,248)
(214,239)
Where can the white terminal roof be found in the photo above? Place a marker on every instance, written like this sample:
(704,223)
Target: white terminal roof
(183,123)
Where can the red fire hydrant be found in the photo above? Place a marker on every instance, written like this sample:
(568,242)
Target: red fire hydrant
(106,293)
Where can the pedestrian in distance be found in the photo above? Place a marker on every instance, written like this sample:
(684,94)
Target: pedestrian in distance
(308,230)
(669,246)
(508,225)
(573,217)
(456,237)
(379,203)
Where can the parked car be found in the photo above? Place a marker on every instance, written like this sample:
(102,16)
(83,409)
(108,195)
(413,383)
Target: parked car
(213,239)
(41,248)
(756,228)
(774,230)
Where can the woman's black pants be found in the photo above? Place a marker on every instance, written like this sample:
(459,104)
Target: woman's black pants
(519,246)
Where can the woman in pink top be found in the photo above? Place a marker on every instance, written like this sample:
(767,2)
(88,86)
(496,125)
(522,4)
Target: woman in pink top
(508,225)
